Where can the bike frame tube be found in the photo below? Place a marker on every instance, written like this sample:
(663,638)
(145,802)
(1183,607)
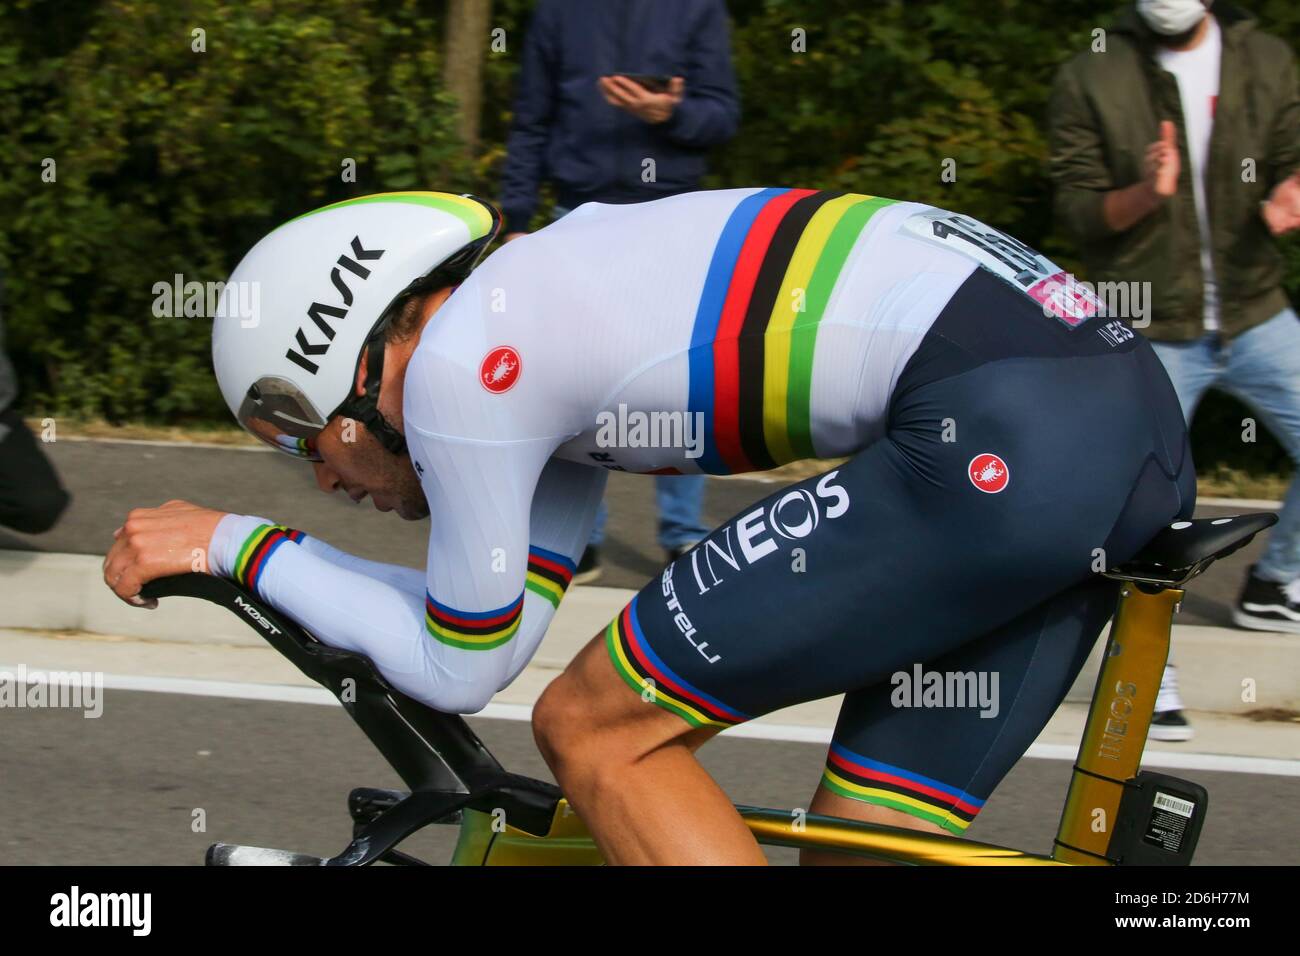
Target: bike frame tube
(1118,721)
(486,841)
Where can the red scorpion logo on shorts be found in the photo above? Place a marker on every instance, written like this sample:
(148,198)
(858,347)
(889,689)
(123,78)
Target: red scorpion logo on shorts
(988,473)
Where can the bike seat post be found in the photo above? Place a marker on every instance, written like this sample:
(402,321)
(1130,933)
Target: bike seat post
(1119,718)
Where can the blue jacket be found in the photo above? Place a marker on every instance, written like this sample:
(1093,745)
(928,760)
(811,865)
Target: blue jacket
(563,129)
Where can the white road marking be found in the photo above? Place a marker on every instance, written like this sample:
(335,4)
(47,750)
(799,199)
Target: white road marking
(758,730)
(163,443)
(1262,503)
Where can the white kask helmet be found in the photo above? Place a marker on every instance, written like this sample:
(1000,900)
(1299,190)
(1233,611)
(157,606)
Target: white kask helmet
(305,302)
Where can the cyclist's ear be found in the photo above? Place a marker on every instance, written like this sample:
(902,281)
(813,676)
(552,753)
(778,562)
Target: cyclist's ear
(359,386)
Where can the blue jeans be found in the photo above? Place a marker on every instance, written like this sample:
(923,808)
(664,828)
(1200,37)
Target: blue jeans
(1262,369)
(680,498)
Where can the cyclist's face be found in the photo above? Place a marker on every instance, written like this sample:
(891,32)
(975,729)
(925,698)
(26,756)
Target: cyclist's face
(355,462)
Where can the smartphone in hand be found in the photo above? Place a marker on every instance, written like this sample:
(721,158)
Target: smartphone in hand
(654,82)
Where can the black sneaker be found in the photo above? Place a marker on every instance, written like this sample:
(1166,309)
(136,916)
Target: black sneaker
(1268,606)
(1170,725)
(1169,722)
(589,568)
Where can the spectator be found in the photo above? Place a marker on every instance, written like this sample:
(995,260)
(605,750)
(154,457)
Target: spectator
(1176,160)
(31,498)
(600,136)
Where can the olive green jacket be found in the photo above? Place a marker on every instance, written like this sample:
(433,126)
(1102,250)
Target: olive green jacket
(1106,108)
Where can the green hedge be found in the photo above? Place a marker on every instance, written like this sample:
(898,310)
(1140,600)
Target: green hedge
(171,161)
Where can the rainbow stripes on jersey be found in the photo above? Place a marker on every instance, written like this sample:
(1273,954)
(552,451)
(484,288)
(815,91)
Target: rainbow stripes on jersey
(549,574)
(854,776)
(257,550)
(644,671)
(768,285)
(472,630)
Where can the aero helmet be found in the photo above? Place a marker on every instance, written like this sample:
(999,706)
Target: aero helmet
(307,300)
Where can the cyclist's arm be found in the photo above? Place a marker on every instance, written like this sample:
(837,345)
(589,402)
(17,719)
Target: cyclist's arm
(560,521)
(475,619)
(341,606)
(410,580)
(236,529)
(506,529)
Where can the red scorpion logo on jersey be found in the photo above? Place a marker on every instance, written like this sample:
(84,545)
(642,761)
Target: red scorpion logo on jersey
(500,369)
(988,473)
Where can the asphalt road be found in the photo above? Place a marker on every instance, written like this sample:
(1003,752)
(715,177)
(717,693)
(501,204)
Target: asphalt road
(109,478)
(125,788)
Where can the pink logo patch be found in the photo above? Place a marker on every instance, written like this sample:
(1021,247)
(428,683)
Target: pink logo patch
(1065,297)
(988,473)
(500,369)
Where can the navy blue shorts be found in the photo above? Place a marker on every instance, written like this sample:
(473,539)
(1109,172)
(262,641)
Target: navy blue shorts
(945,577)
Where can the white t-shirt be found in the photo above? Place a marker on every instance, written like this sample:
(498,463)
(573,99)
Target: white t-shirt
(1197,72)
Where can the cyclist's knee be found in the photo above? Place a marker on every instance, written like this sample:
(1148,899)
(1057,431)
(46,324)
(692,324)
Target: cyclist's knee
(576,726)
(556,718)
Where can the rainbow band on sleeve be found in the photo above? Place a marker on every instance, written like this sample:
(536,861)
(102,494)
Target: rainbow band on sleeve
(858,778)
(472,630)
(257,550)
(549,574)
(769,284)
(643,671)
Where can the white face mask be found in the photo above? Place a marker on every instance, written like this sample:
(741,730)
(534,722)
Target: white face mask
(1171,17)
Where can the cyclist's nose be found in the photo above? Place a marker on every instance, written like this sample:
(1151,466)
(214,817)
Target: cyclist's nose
(327,480)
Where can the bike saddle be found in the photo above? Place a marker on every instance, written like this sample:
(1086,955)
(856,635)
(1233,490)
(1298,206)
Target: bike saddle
(1186,548)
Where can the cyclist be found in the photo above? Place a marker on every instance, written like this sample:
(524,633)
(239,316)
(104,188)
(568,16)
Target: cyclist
(1006,440)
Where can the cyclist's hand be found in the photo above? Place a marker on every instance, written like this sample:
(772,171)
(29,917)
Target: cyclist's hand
(157,542)
(1163,163)
(650,107)
(511,236)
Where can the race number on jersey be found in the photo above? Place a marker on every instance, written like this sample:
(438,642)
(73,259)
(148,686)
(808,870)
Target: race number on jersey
(1009,259)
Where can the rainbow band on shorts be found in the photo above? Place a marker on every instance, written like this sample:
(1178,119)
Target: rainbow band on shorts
(257,550)
(645,673)
(858,778)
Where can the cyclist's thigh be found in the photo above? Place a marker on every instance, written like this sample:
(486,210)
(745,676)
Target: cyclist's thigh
(936,738)
(900,555)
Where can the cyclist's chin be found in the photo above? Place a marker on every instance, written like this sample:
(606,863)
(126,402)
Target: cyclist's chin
(409,510)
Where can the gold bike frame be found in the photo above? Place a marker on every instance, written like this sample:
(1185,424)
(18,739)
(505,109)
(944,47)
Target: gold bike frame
(1118,721)
(1114,736)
